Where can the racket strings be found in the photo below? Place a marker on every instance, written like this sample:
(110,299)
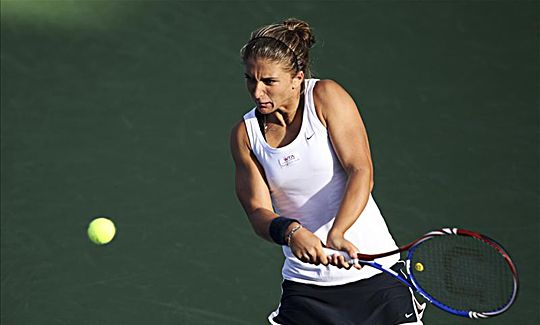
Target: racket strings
(464,273)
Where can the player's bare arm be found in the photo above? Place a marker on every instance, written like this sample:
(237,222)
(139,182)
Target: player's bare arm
(339,113)
(251,187)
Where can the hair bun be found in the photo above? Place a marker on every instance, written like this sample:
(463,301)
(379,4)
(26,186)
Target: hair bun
(302,29)
(287,42)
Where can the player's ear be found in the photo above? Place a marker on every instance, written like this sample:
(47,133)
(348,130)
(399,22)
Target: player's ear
(298,79)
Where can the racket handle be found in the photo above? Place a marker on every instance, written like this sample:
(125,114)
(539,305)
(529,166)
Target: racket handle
(348,258)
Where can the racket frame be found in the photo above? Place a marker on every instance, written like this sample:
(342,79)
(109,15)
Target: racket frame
(409,280)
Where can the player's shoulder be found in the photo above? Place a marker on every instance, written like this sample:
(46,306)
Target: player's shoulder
(238,130)
(239,136)
(326,85)
(328,90)
(329,94)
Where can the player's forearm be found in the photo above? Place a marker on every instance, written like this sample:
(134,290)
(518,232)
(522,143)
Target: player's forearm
(354,200)
(260,220)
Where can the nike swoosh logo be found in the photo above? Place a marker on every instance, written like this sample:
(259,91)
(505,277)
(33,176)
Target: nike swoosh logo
(311,136)
(408,315)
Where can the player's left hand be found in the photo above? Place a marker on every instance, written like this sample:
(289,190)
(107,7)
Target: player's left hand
(338,242)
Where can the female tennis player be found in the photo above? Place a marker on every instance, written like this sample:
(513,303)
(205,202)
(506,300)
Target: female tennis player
(304,177)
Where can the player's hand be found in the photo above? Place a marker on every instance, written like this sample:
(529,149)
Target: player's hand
(338,242)
(307,247)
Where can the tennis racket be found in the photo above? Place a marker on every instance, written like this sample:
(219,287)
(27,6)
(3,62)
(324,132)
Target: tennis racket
(459,271)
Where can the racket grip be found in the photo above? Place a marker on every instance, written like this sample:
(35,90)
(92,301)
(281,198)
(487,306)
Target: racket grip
(348,258)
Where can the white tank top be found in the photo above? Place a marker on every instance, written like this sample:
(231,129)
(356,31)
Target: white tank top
(307,183)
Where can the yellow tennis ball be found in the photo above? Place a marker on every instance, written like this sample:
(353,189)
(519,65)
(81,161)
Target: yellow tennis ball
(101,231)
(419,267)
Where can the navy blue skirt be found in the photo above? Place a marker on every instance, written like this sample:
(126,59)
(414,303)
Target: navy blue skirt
(379,300)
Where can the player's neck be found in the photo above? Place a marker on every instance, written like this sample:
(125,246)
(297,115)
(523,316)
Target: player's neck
(287,114)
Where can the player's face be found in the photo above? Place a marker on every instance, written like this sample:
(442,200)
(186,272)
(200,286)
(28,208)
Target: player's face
(271,85)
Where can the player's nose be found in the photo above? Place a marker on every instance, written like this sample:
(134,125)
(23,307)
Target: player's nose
(258,91)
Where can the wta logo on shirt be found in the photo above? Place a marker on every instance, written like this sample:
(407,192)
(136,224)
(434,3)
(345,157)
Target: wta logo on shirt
(289,160)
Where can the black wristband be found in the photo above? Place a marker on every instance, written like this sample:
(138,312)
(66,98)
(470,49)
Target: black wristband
(278,227)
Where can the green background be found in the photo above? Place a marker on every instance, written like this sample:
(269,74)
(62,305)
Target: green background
(123,109)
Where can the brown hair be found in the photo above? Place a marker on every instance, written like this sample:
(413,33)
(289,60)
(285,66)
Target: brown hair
(288,42)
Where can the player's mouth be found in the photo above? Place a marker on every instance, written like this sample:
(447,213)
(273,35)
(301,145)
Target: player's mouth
(264,105)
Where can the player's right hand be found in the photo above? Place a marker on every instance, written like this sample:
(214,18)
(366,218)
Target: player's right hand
(308,248)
